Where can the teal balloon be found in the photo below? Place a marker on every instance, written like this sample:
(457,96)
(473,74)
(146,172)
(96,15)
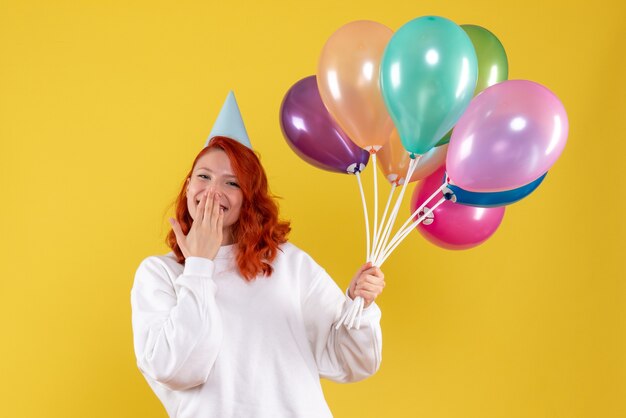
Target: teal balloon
(428,75)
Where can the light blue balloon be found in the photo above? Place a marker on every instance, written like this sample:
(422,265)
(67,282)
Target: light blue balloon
(428,75)
(490,200)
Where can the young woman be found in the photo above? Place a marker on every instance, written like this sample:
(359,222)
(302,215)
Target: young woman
(235,321)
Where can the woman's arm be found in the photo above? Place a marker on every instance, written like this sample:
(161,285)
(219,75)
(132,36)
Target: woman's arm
(341,355)
(177,329)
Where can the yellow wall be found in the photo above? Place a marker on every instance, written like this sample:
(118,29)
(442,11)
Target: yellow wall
(103,106)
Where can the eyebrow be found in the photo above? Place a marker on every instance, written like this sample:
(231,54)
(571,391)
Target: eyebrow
(211,171)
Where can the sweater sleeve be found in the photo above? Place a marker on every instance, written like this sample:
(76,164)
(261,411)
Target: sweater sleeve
(341,355)
(177,329)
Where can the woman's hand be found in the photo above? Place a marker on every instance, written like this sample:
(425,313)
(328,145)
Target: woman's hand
(368,282)
(205,236)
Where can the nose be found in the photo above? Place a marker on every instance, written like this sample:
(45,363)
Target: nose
(216,188)
(219,188)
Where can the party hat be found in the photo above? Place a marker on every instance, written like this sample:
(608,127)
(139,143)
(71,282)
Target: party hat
(229,123)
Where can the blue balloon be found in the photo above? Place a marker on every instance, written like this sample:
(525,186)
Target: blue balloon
(489,200)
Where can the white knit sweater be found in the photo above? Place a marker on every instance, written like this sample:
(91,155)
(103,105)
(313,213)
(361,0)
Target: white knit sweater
(212,344)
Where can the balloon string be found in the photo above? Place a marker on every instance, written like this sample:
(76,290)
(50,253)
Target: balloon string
(375,205)
(408,230)
(356,307)
(358,320)
(394,213)
(383,219)
(367,222)
(382,242)
(343,317)
(386,229)
(418,210)
(352,311)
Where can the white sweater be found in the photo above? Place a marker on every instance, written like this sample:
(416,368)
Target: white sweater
(211,344)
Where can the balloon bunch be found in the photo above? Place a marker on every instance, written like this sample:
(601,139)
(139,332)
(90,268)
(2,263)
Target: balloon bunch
(430,102)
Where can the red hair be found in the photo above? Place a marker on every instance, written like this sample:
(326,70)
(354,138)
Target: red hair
(258,232)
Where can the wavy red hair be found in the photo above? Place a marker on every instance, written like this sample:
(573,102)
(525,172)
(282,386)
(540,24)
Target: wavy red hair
(258,232)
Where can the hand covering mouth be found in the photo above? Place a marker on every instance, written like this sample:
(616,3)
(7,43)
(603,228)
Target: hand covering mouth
(221,206)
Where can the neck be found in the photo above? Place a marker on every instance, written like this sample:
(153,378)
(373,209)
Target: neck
(227,236)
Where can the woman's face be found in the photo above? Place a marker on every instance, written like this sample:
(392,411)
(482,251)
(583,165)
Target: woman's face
(213,171)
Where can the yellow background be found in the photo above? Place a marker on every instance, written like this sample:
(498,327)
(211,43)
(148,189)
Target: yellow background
(104,105)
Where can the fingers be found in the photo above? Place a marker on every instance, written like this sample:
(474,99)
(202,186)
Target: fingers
(375,271)
(369,284)
(180,236)
(367,291)
(369,287)
(220,220)
(212,209)
(215,215)
(205,236)
(208,205)
(363,268)
(369,278)
(368,297)
(367,273)
(366,294)
(200,207)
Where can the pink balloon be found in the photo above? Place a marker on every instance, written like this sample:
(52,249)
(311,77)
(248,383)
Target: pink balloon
(454,226)
(509,136)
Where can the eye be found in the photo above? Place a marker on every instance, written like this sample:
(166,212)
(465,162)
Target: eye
(232,183)
(204,176)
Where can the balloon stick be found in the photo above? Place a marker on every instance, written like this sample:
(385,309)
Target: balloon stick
(418,210)
(408,230)
(367,222)
(383,219)
(396,208)
(356,308)
(375,204)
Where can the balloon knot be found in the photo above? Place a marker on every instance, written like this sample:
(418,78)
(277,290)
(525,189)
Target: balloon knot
(355,168)
(412,155)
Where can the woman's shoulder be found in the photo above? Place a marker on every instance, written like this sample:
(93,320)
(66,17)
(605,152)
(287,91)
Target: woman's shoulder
(288,247)
(167,259)
(290,250)
(160,265)
(293,255)
(298,265)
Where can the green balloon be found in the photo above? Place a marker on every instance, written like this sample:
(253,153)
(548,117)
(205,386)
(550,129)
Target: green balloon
(428,75)
(445,139)
(493,66)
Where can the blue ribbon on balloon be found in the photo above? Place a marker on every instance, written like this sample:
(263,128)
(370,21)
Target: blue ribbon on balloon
(489,200)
